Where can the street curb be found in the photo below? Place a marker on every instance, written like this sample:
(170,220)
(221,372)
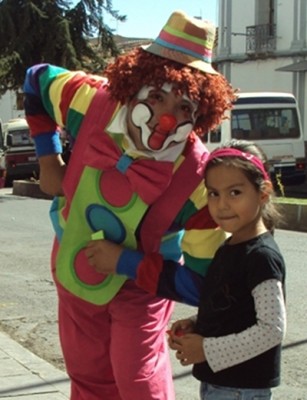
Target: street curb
(29,189)
(294,215)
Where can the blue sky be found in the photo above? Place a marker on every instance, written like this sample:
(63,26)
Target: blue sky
(146,18)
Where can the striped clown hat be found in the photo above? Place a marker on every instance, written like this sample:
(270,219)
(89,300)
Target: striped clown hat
(187,40)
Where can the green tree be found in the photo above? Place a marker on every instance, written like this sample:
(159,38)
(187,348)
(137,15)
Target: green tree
(53,31)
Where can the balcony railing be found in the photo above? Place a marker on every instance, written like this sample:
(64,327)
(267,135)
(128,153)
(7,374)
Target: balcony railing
(260,39)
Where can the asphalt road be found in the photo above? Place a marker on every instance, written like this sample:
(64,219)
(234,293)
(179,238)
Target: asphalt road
(28,305)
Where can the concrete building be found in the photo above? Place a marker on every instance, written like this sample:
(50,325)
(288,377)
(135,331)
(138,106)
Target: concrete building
(11,106)
(262,46)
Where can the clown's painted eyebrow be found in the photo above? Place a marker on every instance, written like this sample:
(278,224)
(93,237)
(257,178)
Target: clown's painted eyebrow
(166,88)
(143,92)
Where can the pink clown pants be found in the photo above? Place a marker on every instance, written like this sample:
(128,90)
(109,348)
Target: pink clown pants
(117,351)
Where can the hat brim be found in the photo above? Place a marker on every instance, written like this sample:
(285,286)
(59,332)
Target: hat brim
(179,57)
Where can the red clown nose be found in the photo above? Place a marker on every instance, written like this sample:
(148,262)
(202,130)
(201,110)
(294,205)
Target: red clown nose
(167,122)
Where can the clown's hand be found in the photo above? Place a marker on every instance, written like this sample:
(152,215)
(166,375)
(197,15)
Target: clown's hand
(103,255)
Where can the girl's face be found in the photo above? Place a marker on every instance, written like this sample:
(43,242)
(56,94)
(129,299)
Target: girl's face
(234,203)
(159,118)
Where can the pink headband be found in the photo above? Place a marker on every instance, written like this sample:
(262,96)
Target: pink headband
(230,152)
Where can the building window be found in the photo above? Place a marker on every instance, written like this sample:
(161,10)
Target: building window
(261,38)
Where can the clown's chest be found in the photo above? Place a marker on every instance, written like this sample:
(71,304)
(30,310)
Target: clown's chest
(104,201)
(115,190)
(113,194)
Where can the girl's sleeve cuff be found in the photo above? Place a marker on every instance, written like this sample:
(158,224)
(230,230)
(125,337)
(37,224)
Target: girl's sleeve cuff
(128,263)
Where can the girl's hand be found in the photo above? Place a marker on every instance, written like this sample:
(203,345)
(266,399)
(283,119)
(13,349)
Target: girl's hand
(180,328)
(103,255)
(189,349)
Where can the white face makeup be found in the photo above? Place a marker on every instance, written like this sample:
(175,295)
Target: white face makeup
(162,117)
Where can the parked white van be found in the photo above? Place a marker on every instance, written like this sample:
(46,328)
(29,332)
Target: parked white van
(271,120)
(17,152)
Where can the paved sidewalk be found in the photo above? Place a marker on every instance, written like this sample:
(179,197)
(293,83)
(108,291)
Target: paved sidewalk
(24,376)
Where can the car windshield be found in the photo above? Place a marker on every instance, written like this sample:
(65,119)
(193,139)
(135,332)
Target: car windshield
(265,124)
(21,137)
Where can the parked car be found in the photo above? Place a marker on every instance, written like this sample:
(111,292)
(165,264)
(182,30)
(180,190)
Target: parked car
(18,159)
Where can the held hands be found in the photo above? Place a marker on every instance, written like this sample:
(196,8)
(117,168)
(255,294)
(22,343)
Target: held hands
(188,345)
(103,255)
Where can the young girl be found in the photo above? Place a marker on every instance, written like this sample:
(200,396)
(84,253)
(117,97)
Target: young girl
(235,340)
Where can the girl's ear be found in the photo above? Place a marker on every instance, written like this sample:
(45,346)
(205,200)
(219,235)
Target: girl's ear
(266,191)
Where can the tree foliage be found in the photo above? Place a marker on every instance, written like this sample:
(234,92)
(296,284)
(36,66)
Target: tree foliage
(53,31)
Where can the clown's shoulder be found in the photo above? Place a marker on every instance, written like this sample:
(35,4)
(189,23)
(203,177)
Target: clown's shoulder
(57,97)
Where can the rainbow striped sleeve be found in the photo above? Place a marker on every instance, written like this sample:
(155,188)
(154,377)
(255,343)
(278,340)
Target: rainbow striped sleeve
(56,97)
(179,281)
(202,237)
(165,278)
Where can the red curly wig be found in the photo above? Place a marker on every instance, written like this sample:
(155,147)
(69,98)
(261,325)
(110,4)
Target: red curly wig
(131,71)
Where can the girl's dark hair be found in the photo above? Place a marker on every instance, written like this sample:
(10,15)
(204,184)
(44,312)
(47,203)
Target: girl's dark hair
(133,70)
(270,212)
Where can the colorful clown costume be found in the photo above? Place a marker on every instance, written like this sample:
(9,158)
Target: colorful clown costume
(112,332)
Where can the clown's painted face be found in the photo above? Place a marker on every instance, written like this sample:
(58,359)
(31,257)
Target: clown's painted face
(159,118)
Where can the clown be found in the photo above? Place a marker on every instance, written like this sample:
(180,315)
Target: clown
(135,178)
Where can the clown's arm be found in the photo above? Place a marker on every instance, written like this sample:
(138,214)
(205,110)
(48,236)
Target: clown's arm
(53,101)
(166,278)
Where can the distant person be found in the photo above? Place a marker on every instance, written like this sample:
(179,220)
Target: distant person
(235,340)
(135,177)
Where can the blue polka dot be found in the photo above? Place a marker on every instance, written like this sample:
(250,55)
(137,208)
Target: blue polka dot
(100,218)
